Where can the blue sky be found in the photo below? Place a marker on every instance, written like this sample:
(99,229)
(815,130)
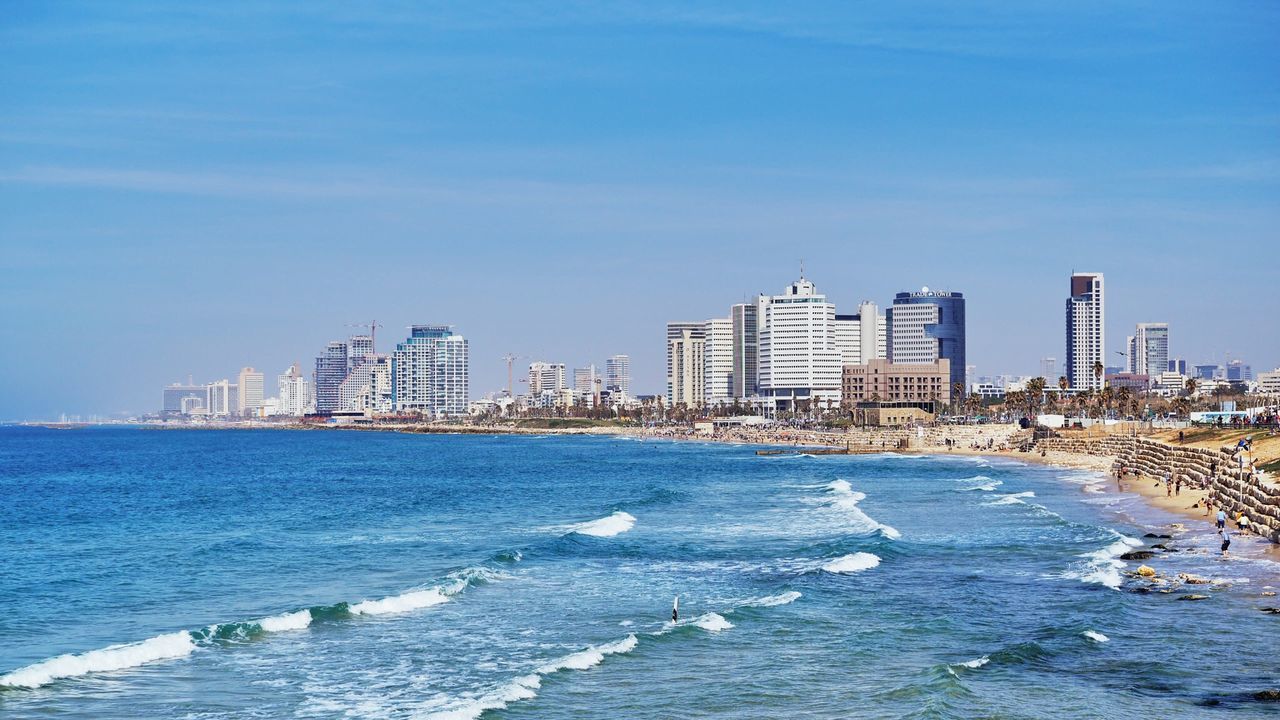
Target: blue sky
(191,188)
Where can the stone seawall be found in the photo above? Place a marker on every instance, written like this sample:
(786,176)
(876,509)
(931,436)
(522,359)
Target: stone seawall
(1232,488)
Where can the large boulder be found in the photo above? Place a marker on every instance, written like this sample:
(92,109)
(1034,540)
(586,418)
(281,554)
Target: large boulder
(1146,571)
(1193,596)
(1138,555)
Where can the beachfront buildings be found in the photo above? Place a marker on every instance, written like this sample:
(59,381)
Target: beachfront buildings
(799,360)
(1086,327)
(686,347)
(331,370)
(182,399)
(430,372)
(745,319)
(249,399)
(1148,349)
(296,394)
(862,336)
(617,375)
(546,377)
(927,326)
(717,359)
(584,380)
(923,385)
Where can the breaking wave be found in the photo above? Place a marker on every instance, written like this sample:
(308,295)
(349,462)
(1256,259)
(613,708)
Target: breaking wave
(615,524)
(1012,499)
(1103,566)
(174,645)
(979,482)
(846,501)
(1095,636)
(856,562)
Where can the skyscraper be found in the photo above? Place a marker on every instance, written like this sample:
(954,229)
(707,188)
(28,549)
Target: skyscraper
(746,348)
(1149,349)
(297,395)
(250,395)
(430,372)
(1086,332)
(584,380)
(359,347)
(926,326)
(546,377)
(1049,370)
(617,375)
(861,337)
(717,358)
(331,370)
(175,394)
(686,345)
(799,358)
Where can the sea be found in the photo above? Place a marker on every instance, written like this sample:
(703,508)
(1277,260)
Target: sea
(209,574)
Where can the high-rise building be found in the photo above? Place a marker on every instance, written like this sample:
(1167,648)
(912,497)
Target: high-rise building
(1049,370)
(331,370)
(584,380)
(717,358)
(1238,371)
(368,386)
(1149,349)
(1178,365)
(359,347)
(546,377)
(1208,372)
(926,326)
(1086,332)
(746,349)
(297,394)
(430,372)
(220,398)
(175,394)
(686,345)
(250,395)
(799,358)
(617,375)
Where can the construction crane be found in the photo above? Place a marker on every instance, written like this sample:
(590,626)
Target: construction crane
(511,360)
(373,326)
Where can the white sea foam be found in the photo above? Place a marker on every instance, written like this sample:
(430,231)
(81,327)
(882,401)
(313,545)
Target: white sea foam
(979,482)
(785,598)
(615,524)
(1095,636)
(856,562)
(1103,566)
(526,687)
(711,622)
(975,663)
(1012,499)
(401,603)
(846,501)
(288,621)
(115,657)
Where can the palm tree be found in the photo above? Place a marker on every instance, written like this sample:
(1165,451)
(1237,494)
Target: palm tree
(1098,370)
(1124,397)
(1191,386)
(1063,384)
(1035,392)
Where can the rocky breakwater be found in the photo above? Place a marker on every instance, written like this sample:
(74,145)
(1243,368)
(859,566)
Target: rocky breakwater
(1232,487)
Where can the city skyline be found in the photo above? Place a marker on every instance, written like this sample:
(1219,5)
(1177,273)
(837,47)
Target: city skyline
(196,189)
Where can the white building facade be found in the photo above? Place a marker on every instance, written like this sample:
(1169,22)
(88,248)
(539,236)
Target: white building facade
(430,372)
(717,362)
(799,358)
(296,393)
(617,375)
(686,346)
(1086,332)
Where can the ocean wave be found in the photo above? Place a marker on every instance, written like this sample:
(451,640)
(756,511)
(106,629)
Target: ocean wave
(712,622)
(116,657)
(615,524)
(855,562)
(785,598)
(973,664)
(846,501)
(1095,636)
(526,687)
(979,482)
(1102,567)
(1012,499)
(170,646)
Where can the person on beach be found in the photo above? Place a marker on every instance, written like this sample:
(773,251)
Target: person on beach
(1222,518)
(1177,487)
(1242,522)
(1226,540)
(1208,504)
(1168,484)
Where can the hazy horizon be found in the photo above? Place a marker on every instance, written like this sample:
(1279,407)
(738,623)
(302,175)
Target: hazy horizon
(191,189)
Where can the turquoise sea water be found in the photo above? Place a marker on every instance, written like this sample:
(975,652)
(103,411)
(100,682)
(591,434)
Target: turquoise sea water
(277,574)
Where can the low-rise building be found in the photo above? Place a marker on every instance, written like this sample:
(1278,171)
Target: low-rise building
(882,381)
